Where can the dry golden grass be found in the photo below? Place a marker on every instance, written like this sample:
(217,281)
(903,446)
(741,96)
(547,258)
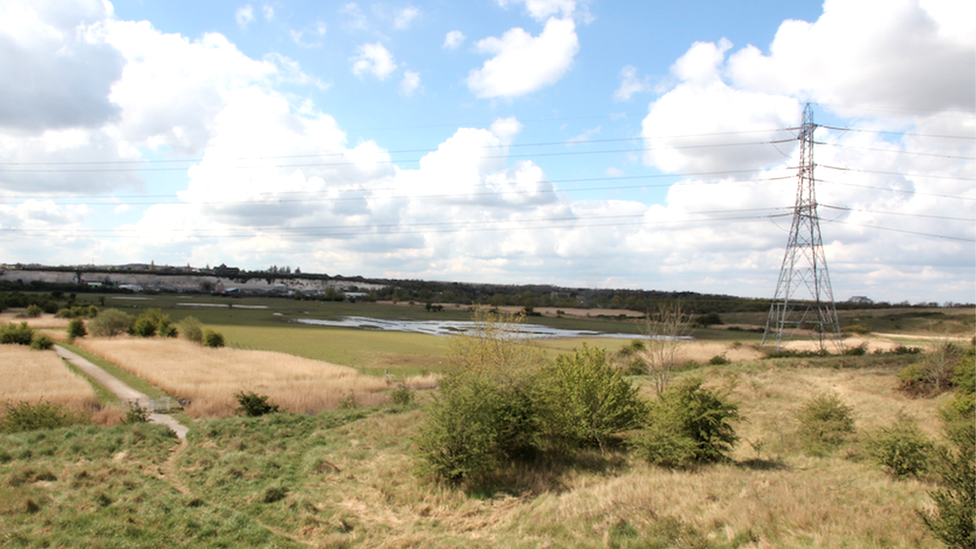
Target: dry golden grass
(34,375)
(777,497)
(211,377)
(43,321)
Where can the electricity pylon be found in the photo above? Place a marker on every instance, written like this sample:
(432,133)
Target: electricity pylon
(804,300)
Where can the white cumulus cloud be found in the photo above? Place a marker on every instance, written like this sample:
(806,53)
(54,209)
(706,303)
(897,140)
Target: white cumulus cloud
(244,16)
(404,17)
(453,40)
(410,83)
(541,10)
(631,84)
(523,63)
(373,59)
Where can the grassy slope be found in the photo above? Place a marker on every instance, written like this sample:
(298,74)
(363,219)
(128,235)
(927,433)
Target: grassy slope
(347,479)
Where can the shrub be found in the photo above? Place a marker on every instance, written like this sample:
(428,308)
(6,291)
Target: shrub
(460,439)
(586,401)
(706,320)
(19,334)
(901,448)
(42,343)
(254,405)
(933,374)
(486,413)
(24,416)
(135,414)
(689,423)
(825,422)
(76,328)
(859,329)
(964,375)
(111,322)
(192,329)
(348,402)
(213,339)
(33,311)
(402,395)
(144,327)
(78,311)
(718,360)
(152,322)
(860,350)
(955,520)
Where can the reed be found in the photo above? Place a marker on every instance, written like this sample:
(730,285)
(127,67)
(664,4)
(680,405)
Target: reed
(30,376)
(211,377)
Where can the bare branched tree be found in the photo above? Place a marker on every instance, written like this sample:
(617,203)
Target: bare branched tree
(665,328)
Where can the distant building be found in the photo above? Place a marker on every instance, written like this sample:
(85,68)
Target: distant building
(861,300)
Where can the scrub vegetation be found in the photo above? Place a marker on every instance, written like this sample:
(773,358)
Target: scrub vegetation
(549,445)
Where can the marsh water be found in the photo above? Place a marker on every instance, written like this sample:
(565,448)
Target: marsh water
(453,327)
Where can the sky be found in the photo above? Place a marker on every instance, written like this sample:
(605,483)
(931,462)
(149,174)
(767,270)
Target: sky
(579,143)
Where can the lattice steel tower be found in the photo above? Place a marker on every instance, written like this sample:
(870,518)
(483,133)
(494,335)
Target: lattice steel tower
(804,301)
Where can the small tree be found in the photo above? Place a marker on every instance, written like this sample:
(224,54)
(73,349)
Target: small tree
(192,329)
(587,401)
(689,423)
(486,411)
(254,405)
(152,322)
(20,334)
(213,339)
(109,323)
(76,328)
(954,522)
(900,448)
(664,330)
(824,422)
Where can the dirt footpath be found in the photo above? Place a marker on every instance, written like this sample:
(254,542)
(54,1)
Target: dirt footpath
(120,389)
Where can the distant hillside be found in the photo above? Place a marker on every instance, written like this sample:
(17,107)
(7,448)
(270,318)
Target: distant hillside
(288,283)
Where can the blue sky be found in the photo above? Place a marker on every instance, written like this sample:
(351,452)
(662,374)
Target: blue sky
(569,142)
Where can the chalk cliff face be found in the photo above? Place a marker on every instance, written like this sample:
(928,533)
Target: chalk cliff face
(183,282)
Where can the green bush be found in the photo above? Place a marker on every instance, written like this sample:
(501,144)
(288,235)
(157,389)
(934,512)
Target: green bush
(688,424)
(152,322)
(954,522)
(192,329)
(859,350)
(24,416)
(402,395)
(487,411)
(213,339)
(135,414)
(144,327)
(76,328)
(586,402)
(78,311)
(461,438)
(901,448)
(111,322)
(824,422)
(709,319)
(964,375)
(959,419)
(719,360)
(33,311)
(859,329)
(254,405)
(19,334)
(42,343)
(663,443)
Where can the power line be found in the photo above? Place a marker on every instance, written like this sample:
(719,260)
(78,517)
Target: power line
(943,217)
(361,194)
(410,228)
